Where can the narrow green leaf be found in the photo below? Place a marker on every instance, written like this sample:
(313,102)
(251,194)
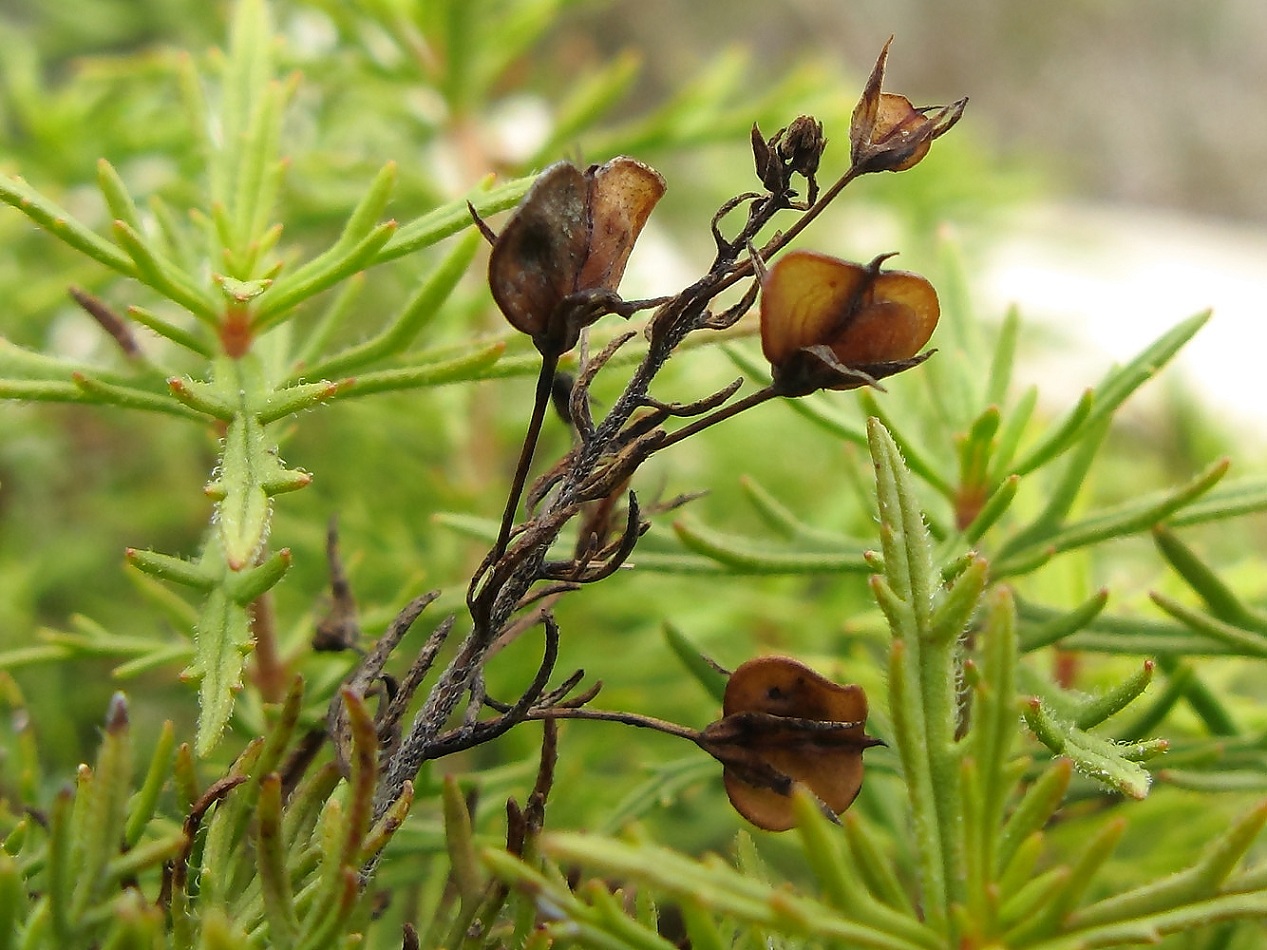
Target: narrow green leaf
(952,615)
(1218,597)
(1120,383)
(1185,918)
(43,392)
(295,398)
(1083,872)
(665,784)
(773,512)
(317,275)
(362,226)
(421,308)
(58,222)
(118,200)
(460,369)
(14,904)
(909,726)
(877,869)
(1245,642)
(60,869)
(1056,626)
(248,469)
(914,458)
(206,398)
(383,830)
(1034,896)
(245,586)
(460,841)
(154,270)
(1020,865)
(1000,378)
(178,335)
(1035,809)
(147,857)
(178,570)
(1096,758)
(702,932)
(271,860)
(1199,882)
(142,804)
(993,732)
(248,69)
(449,219)
(130,397)
(1015,421)
(1136,516)
(1060,498)
(304,805)
(223,637)
(704,670)
(996,505)
(1100,708)
(1230,499)
(259,169)
(1058,439)
(746,557)
(721,889)
(822,849)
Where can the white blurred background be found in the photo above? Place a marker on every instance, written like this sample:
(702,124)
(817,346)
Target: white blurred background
(1146,119)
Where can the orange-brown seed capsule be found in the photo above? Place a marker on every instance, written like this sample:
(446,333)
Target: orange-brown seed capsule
(784,725)
(823,317)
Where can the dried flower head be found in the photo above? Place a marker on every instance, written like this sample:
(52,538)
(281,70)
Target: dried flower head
(556,266)
(827,323)
(784,725)
(887,133)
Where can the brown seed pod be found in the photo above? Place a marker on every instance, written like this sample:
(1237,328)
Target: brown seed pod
(822,317)
(783,725)
(887,133)
(556,266)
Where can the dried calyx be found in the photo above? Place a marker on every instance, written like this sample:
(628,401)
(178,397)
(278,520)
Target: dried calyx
(556,265)
(887,133)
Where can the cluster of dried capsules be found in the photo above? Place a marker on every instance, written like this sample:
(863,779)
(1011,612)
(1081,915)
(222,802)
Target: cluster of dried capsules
(825,323)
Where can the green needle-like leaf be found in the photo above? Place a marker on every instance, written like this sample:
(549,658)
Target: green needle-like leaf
(743,556)
(59,223)
(223,638)
(1100,759)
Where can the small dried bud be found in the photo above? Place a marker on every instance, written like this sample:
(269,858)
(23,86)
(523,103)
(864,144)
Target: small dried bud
(887,133)
(784,725)
(802,144)
(556,266)
(796,149)
(833,324)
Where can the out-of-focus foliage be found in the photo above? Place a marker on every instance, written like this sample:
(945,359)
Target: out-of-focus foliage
(344,118)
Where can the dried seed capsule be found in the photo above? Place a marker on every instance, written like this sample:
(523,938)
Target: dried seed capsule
(556,266)
(827,323)
(784,725)
(887,133)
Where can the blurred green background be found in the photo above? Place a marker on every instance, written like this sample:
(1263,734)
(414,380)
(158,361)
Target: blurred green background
(1142,102)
